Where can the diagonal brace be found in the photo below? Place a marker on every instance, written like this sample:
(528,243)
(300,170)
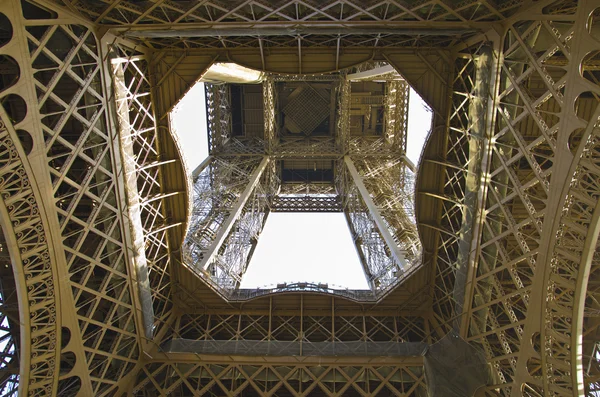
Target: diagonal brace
(374,211)
(233,215)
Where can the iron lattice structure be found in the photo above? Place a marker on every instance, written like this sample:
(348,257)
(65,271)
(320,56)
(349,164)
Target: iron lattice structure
(120,275)
(247,177)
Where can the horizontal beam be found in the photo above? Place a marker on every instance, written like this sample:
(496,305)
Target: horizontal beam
(278,28)
(296,348)
(309,203)
(363,361)
(185,31)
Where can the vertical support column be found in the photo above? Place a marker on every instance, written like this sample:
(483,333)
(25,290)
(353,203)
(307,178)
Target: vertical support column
(481,115)
(396,115)
(218,116)
(374,211)
(233,215)
(301,333)
(270,133)
(343,122)
(133,201)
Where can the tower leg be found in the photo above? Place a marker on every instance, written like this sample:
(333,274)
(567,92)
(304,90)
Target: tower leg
(374,211)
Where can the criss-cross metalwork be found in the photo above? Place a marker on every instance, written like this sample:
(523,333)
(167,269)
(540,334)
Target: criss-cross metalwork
(120,271)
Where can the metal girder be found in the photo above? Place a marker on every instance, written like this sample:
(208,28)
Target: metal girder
(396,114)
(31,250)
(307,203)
(133,199)
(374,211)
(270,29)
(294,348)
(533,252)
(533,302)
(294,377)
(69,163)
(228,192)
(146,167)
(130,15)
(550,288)
(382,152)
(270,112)
(342,22)
(234,214)
(479,132)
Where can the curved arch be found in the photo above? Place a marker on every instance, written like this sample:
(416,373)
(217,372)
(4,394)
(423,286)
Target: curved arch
(288,61)
(31,260)
(18,286)
(575,232)
(589,249)
(571,261)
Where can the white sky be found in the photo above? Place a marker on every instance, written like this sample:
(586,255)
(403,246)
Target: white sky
(313,247)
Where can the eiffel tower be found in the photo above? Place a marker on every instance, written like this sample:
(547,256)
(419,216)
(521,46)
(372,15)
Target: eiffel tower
(122,268)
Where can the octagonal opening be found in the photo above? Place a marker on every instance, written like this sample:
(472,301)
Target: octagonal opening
(271,154)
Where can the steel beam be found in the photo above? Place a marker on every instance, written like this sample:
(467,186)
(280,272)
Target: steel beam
(480,112)
(374,211)
(133,200)
(152,31)
(232,217)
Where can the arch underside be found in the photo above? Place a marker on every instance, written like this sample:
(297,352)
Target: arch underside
(95,199)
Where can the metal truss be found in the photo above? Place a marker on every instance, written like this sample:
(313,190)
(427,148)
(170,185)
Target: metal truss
(393,141)
(218,116)
(242,146)
(231,202)
(305,147)
(227,185)
(306,203)
(270,111)
(528,303)
(342,126)
(99,337)
(298,25)
(390,182)
(142,163)
(87,170)
(396,114)
(384,234)
(30,254)
(304,324)
(304,377)
(460,195)
(9,330)
(66,131)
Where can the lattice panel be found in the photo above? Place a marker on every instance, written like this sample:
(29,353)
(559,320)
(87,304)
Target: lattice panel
(396,114)
(294,380)
(529,186)
(308,328)
(145,162)
(218,116)
(531,168)
(227,217)
(386,15)
(306,203)
(67,78)
(307,109)
(376,258)
(391,185)
(33,262)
